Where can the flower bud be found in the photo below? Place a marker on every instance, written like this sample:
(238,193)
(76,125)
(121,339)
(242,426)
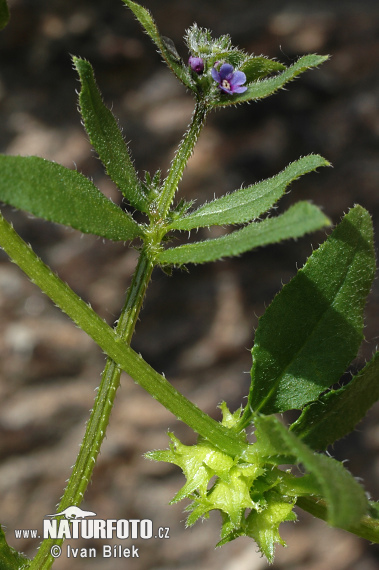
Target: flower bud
(196,64)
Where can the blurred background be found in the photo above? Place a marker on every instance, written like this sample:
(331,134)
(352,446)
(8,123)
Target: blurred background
(197,326)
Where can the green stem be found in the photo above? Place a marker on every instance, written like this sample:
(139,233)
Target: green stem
(182,155)
(367,527)
(123,357)
(109,341)
(100,415)
(245,419)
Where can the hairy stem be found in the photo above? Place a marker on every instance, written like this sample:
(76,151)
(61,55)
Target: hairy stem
(123,357)
(367,527)
(183,153)
(100,414)
(109,341)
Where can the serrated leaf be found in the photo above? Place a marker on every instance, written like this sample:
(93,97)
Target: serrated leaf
(4,14)
(106,137)
(257,67)
(266,87)
(295,222)
(313,328)
(146,20)
(336,413)
(51,191)
(248,203)
(345,498)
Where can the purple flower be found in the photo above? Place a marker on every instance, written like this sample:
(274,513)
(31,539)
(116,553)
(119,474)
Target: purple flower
(196,64)
(228,80)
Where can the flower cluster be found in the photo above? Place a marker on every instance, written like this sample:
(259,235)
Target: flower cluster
(252,497)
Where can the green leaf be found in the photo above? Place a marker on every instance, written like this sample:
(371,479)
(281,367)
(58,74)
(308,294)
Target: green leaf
(55,193)
(106,137)
(345,498)
(163,44)
(336,413)
(266,87)
(257,67)
(248,203)
(313,328)
(295,222)
(10,559)
(4,14)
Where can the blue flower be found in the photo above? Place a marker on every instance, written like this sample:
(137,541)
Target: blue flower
(228,80)
(196,64)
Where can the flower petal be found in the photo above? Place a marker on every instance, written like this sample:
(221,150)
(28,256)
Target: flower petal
(215,75)
(226,70)
(239,89)
(238,78)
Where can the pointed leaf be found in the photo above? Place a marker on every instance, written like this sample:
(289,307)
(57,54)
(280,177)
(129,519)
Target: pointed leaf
(345,498)
(257,67)
(312,330)
(266,87)
(295,222)
(57,194)
(4,14)
(163,44)
(248,203)
(107,139)
(336,413)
